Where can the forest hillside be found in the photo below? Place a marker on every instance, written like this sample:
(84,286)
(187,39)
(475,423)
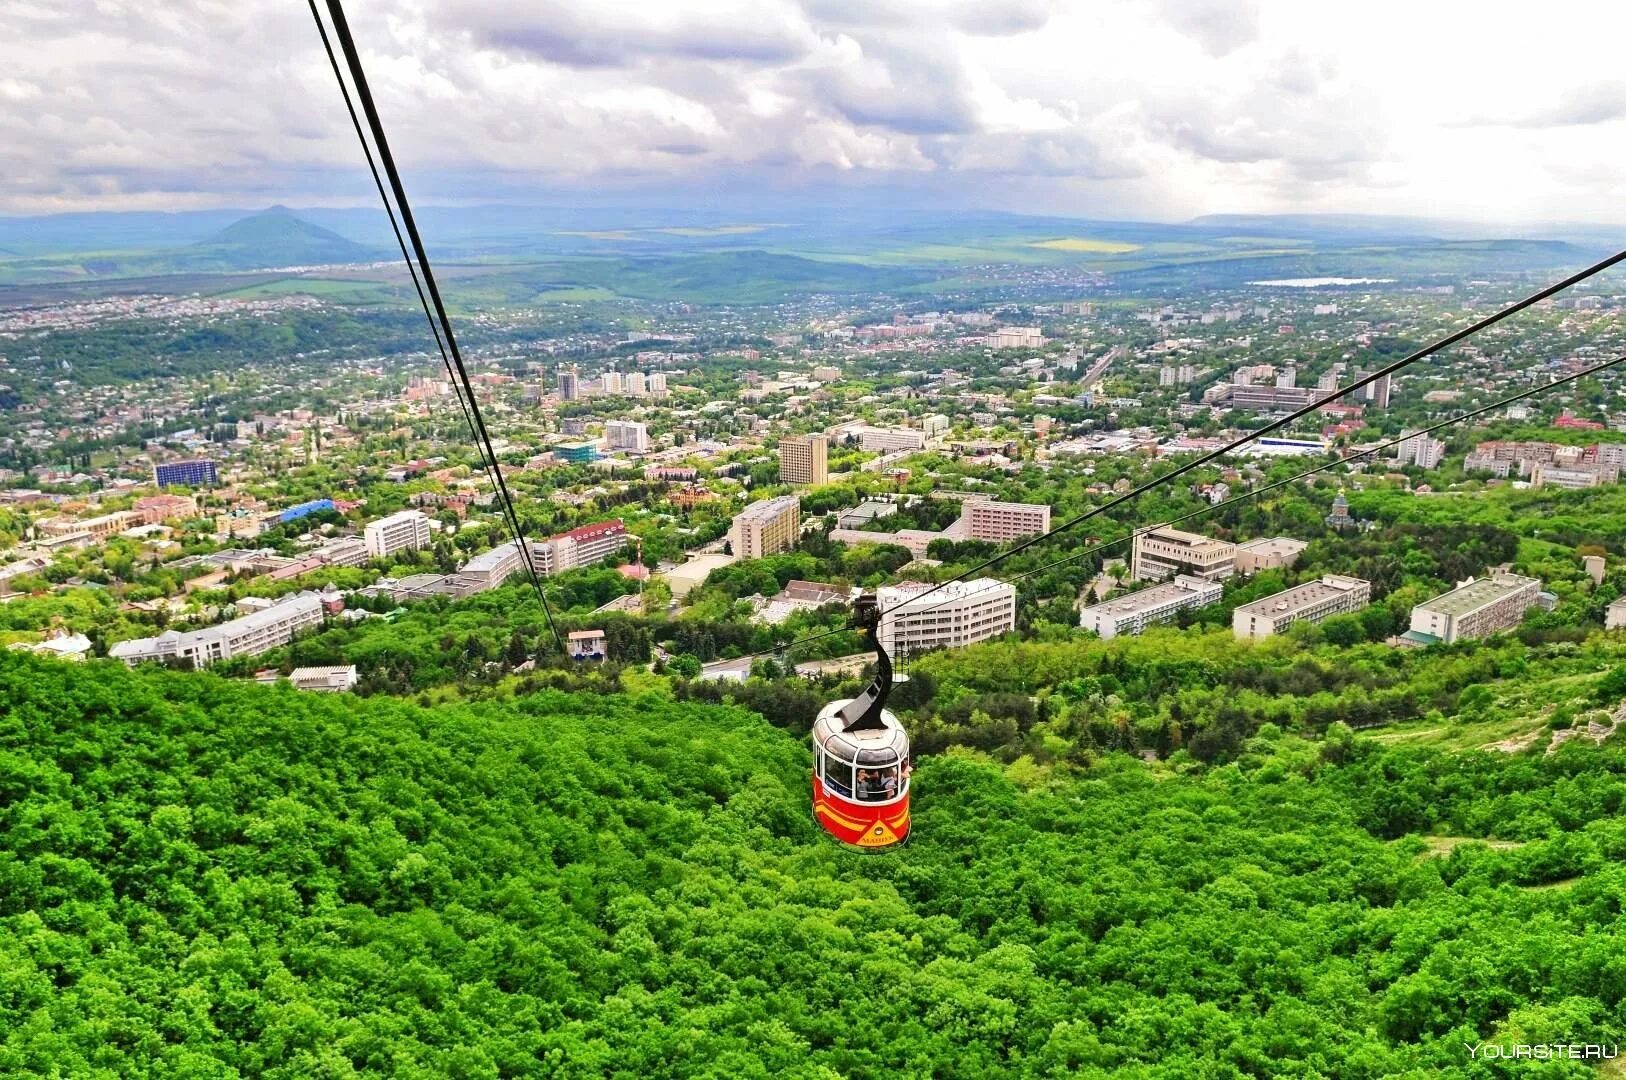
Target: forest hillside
(205,878)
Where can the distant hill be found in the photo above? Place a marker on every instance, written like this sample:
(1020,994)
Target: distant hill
(276,237)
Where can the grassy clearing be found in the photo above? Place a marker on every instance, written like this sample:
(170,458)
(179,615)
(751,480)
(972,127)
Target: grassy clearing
(1081,243)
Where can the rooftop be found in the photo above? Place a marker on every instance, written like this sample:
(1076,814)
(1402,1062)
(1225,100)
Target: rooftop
(1476,594)
(1273,545)
(1301,596)
(1158,595)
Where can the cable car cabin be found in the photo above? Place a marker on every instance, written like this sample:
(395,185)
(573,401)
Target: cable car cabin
(860,779)
(861,758)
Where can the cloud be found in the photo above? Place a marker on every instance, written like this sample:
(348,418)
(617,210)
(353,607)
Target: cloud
(1161,107)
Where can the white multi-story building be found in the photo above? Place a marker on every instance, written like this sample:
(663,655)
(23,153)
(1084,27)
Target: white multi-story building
(766,528)
(611,382)
(657,384)
(491,568)
(1476,608)
(1000,521)
(249,635)
(1420,450)
(405,531)
(584,546)
(1311,602)
(1016,337)
(635,384)
(935,424)
(626,435)
(886,440)
(960,613)
(1133,613)
(1573,476)
(1160,553)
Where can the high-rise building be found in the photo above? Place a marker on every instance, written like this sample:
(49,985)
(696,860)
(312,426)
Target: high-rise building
(1377,391)
(804,460)
(406,531)
(612,382)
(1161,553)
(635,384)
(200,472)
(960,613)
(1310,602)
(766,528)
(1475,609)
(1420,450)
(1000,521)
(657,384)
(569,384)
(626,435)
(1133,613)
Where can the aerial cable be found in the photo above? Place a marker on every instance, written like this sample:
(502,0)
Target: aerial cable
(1095,549)
(1276,425)
(389,209)
(1203,511)
(341,30)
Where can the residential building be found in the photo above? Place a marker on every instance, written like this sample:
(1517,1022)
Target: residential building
(1595,567)
(611,382)
(626,435)
(1000,521)
(1420,450)
(886,440)
(200,472)
(657,384)
(1310,602)
(157,509)
(584,546)
(804,460)
(248,635)
(1614,616)
(1477,608)
(405,531)
(97,528)
(634,383)
(1133,613)
(826,373)
(1016,337)
(569,384)
(1162,552)
(1268,553)
(960,613)
(491,568)
(933,425)
(766,528)
(1575,477)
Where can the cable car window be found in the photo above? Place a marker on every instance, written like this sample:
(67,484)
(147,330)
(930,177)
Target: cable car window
(838,776)
(877,784)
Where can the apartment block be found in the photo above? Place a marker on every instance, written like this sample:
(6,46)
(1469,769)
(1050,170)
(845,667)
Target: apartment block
(626,435)
(962,613)
(804,460)
(1000,521)
(197,473)
(405,531)
(1163,552)
(1477,608)
(1310,602)
(886,440)
(249,635)
(766,528)
(1133,613)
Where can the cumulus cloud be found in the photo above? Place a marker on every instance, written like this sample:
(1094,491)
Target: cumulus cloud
(1162,107)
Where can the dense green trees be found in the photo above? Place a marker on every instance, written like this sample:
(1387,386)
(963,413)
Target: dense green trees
(205,878)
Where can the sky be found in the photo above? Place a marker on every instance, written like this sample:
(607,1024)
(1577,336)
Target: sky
(1144,109)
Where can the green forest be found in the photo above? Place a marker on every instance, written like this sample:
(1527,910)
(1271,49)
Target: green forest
(206,878)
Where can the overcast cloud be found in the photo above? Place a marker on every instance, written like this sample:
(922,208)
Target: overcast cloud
(1159,109)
